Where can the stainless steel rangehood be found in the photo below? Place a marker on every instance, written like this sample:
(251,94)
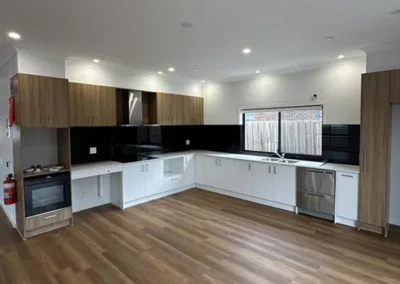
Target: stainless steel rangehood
(135,108)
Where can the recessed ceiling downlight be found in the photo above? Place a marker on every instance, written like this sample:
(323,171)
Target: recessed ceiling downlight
(246,50)
(14,35)
(160,72)
(341,56)
(258,72)
(171,69)
(96,60)
(186,25)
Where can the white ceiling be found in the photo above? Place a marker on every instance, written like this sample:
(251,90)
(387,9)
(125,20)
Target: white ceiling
(146,34)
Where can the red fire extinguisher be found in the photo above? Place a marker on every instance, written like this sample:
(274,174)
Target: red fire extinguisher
(10,190)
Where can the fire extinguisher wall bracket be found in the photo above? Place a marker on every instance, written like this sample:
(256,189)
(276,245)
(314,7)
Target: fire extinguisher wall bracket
(10,190)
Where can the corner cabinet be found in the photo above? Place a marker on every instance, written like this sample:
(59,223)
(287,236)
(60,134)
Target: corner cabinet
(374,151)
(41,102)
(92,105)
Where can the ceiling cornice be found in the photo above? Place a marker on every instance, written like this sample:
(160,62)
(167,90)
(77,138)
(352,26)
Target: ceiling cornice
(382,47)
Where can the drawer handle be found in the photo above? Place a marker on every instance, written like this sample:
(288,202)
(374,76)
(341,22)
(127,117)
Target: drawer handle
(175,179)
(348,176)
(50,217)
(316,194)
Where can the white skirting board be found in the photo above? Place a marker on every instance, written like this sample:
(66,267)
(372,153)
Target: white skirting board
(345,221)
(154,197)
(12,221)
(248,198)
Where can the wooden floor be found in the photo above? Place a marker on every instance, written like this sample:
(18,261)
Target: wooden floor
(198,237)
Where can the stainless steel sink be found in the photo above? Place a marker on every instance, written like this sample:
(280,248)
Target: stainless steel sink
(278,160)
(288,162)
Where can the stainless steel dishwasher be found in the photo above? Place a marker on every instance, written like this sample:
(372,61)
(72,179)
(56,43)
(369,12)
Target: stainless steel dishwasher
(316,192)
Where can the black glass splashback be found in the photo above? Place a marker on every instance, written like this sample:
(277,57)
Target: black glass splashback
(142,140)
(341,143)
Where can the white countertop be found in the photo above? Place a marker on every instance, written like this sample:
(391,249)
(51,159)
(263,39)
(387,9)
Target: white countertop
(95,165)
(259,159)
(243,157)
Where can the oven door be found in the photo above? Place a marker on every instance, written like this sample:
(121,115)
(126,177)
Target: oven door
(47,196)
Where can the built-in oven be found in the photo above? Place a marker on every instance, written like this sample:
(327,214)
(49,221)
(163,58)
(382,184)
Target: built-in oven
(47,193)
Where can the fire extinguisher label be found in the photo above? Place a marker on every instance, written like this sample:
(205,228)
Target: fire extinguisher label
(9,186)
(6,195)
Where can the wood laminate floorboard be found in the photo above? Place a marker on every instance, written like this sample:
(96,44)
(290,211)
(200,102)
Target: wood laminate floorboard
(198,237)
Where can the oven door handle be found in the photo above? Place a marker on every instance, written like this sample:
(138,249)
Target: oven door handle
(49,217)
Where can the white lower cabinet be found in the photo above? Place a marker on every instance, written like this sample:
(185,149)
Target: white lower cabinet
(133,182)
(199,160)
(189,170)
(154,175)
(141,180)
(263,181)
(284,184)
(243,177)
(211,171)
(346,197)
(218,172)
(225,175)
(275,183)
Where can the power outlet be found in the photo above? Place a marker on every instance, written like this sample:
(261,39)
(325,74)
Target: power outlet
(93,150)
(187,142)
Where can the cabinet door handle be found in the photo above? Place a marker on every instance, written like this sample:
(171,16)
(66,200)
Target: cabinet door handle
(141,168)
(49,118)
(41,119)
(147,167)
(269,169)
(315,194)
(348,176)
(88,119)
(49,217)
(274,170)
(249,166)
(216,162)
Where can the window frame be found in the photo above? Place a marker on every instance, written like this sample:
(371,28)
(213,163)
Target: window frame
(279,110)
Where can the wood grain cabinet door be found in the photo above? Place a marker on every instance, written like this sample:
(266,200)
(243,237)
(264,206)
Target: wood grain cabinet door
(193,110)
(31,105)
(395,87)
(57,104)
(169,109)
(79,101)
(107,107)
(375,115)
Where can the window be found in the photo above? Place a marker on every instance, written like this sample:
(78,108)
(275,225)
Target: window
(295,130)
(262,131)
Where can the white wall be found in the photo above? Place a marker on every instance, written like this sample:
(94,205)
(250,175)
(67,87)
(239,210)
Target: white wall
(338,87)
(383,60)
(41,63)
(39,147)
(7,70)
(118,76)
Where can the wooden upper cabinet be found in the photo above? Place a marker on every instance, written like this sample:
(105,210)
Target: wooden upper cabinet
(57,103)
(193,110)
(374,148)
(92,105)
(107,107)
(41,101)
(169,109)
(395,87)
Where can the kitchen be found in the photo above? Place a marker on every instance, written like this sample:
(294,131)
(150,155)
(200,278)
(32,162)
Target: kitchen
(223,181)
